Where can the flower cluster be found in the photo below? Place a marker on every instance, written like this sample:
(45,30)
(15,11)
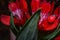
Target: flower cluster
(19,11)
(49,15)
(49,21)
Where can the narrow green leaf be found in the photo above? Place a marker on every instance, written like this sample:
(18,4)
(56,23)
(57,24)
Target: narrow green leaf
(29,32)
(13,28)
(52,35)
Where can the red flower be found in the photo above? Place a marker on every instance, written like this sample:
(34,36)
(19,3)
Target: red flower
(57,38)
(46,22)
(19,13)
(35,4)
(46,26)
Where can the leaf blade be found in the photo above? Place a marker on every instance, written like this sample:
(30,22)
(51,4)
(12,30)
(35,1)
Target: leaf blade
(29,30)
(13,27)
(52,35)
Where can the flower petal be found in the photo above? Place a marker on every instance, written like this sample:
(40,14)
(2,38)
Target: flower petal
(57,38)
(52,26)
(6,20)
(12,6)
(46,7)
(57,11)
(35,5)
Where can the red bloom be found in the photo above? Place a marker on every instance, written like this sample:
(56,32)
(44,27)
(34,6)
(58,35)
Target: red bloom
(46,26)
(19,13)
(50,22)
(57,38)
(35,4)
(52,26)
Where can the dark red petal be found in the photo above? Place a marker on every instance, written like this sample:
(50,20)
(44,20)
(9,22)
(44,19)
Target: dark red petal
(57,11)
(40,27)
(48,27)
(17,2)
(59,17)
(24,8)
(23,5)
(16,22)
(35,5)
(46,7)
(52,6)
(5,20)
(57,38)
(12,6)
(27,15)
(22,20)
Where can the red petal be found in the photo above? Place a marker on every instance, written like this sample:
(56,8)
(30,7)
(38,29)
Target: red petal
(46,7)
(27,15)
(57,38)
(5,20)
(48,27)
(59,17)
(57,11)
(40,25)
(17,2)
(22,20)
(52,6)
(12,6)
(35,5)
(23,5)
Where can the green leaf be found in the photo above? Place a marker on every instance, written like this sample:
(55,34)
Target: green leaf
(29,31)
(13,28)
(52,35)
